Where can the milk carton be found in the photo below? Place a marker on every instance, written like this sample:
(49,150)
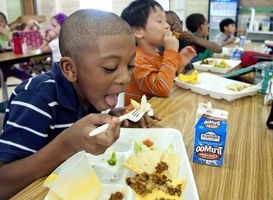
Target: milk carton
(210,135)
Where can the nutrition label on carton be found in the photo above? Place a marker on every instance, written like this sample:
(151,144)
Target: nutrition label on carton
(210,136)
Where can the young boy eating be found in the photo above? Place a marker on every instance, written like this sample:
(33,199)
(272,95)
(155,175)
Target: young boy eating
(49,117)
(198,25)
(154,73)
(227,28)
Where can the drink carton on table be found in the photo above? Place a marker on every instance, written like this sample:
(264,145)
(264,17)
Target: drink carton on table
(210,135)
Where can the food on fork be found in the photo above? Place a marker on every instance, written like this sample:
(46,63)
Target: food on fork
(144,106)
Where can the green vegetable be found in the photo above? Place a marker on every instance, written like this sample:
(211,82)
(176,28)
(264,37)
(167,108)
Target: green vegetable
(113,159)
(137,147)
(170,148)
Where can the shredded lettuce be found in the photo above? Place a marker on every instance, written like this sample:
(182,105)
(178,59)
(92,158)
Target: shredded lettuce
(137,147)
(170,148)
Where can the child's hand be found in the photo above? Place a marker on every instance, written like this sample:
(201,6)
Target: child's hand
(170,41)
(231,40)
(187,54)
(76,138)
(144,122)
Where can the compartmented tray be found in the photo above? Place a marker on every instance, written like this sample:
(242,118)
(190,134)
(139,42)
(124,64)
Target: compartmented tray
(113,177)
(216,87)
(231,64)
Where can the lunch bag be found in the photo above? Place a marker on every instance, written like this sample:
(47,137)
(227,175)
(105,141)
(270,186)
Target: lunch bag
(249,58)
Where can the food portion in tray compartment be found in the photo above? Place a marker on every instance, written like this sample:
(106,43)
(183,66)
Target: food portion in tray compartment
(215,63)
(221,64)
(238,87)
(156,175)
(116,196)
(189,78)
(208,62)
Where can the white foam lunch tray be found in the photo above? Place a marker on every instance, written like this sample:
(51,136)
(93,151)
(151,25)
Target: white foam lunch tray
(113,177)
(216,87)
(204,67)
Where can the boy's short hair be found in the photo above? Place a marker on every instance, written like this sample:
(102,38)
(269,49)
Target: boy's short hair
(81,30)
(225,22)
(194,21)
(136,13)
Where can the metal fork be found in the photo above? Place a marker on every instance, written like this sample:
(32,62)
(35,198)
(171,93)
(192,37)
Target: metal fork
(133,116)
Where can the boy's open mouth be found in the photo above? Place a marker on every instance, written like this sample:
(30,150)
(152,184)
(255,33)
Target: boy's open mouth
(111,99)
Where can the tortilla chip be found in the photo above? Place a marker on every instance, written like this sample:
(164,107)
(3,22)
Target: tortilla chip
(157,194)
(172,159)
(144,161)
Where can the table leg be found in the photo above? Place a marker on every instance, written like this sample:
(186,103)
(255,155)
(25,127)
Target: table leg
(3,86)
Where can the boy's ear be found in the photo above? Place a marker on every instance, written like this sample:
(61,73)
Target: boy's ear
(138,32)
(69,69)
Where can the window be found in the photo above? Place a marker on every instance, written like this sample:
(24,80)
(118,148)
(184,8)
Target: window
(165,4)
(106,5)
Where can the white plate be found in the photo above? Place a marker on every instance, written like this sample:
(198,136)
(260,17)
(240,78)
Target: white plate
(204,67)
(163,137)
(216,87)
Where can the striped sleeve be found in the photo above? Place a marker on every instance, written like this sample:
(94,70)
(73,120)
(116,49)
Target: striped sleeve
(27,121)
(157,80)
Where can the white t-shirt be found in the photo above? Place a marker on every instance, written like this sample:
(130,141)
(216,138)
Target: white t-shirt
(54,46)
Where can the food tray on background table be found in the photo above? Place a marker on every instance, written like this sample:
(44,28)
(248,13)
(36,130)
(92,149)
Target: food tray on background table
(216,65)
(113,177)
(218,87)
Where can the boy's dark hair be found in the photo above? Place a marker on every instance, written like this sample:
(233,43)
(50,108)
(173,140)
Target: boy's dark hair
(194,21)
(81,30)
(136,13)
(4,17)
(225,22)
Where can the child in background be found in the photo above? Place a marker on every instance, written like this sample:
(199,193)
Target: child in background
(51,41)
(5,33)
(49,117)
(227,28)
(198,25)
(154,73)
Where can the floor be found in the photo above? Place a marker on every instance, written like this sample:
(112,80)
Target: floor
(11,80)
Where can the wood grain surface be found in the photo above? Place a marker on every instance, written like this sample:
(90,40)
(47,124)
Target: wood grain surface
(247,172)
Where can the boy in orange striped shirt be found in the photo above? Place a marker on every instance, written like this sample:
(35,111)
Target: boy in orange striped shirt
(154,73)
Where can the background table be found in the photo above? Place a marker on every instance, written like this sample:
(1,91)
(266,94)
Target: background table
(247,172)
(9,58)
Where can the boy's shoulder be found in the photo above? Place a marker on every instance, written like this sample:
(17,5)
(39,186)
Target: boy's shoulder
(37,83)
(49,85)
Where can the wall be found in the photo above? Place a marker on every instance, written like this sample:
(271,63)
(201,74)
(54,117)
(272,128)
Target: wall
(13,9)
(51,7)
(3,7)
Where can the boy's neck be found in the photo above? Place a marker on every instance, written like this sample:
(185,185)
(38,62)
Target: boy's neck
(226,33)
(199,34)
(143,44)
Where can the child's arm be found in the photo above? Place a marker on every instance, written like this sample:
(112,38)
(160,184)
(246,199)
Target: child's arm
(17,173)
(207,44)
(156,77)
(187,54)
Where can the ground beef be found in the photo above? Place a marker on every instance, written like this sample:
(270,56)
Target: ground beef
(161,167)
(116,196)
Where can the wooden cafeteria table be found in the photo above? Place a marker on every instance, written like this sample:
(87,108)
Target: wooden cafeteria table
(247,172)
(10,58)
